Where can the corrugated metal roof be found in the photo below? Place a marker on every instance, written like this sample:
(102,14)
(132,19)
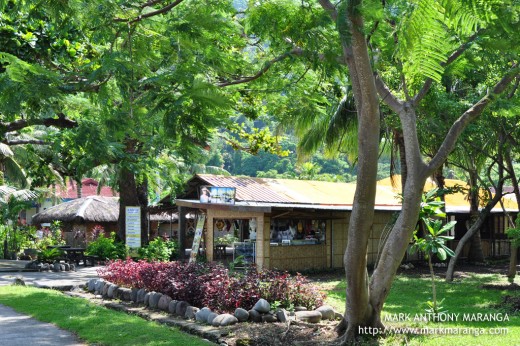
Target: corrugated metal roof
(327,194)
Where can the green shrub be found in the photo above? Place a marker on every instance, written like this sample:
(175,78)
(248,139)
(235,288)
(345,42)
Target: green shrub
(50,255)
(227,239)
(159,250)
(107,248)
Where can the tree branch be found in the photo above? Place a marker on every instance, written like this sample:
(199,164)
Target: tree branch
(25,141)
(428,82)
(263,70)
(387,96)
(61,121)
(472,113)
(149,14)
(329,8)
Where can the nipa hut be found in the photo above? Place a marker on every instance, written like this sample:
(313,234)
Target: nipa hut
(80,216)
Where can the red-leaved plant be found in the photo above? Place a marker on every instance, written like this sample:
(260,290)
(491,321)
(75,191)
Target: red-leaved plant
(212,285)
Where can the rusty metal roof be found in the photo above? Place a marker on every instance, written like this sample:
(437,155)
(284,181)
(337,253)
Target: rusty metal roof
(292,191)
(306,192)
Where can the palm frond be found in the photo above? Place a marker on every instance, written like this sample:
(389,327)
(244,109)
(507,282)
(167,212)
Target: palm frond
(13,172)
(5,150)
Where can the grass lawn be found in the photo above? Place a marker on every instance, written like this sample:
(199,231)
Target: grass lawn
(464,296)
(92,323)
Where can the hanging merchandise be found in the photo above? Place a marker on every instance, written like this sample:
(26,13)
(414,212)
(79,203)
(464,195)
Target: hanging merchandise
(228,226)
(219,224)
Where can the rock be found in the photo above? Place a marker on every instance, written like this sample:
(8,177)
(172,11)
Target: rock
(18,281)
(146,299)
(91,285)
(269,318)
(327,312)
(172,307)
(62,267)
(309,316)
(211,317)
(224,320)
(190,312)
(106,286)
(140,295)
(45,267)
(111,291)
(180,309)
(99,286)
(300,308)
(282,316)
(66,267)
(164,302)
(56,267)
(133,294)
(72,267)
(241,314)
(255,316)
(116,293)
(125,294)
(154,300)
(202,315)
(262,306)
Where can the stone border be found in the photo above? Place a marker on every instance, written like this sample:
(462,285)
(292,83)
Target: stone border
(201,322)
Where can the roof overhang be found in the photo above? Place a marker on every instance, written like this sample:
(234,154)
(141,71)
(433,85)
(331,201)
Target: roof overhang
(269,207)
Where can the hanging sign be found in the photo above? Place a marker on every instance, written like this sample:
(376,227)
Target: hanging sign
(133,227)
(217,194)
(196,239)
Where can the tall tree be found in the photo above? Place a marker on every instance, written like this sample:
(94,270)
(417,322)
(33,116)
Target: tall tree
(415,41)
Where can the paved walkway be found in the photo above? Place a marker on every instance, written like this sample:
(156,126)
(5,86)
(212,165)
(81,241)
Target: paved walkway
(9,270)
(21,330)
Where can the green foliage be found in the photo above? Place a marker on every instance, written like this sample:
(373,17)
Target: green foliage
(431,205)
(227,239)
(107,248)
(256,140)
(238,262)
(514,235)
(434,243)
(49,255)
(159,250)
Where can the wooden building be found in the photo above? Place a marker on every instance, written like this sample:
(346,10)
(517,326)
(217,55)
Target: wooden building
(297,224)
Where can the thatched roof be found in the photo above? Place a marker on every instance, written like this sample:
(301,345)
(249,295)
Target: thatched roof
(87,209)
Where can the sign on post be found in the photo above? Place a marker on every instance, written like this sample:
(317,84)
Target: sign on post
(133,227)
(196,239)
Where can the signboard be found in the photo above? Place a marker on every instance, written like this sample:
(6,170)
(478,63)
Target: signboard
(217,194)
(133,227)
(196,238)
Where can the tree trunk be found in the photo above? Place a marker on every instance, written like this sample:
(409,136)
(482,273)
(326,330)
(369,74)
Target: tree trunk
(142,196)
(127,197)
(79,188)
(434,290)
(476,254)
(475,227)
(398,137)
(358,311)
(513,260)
(511,274)
(396,245)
